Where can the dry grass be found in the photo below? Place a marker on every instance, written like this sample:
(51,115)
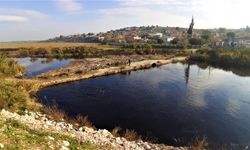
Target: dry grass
(116,131)
(80,120)
(131,135)
(54,112)
(43,44)
(200,144)
(57,114)
(51,45)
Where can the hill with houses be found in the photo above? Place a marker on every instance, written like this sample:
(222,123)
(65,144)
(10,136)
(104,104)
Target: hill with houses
(160,35)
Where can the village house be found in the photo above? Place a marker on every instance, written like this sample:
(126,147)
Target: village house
(244,41)
(101,38)
(160,35)
(218,43)
(132,36)
(169,38)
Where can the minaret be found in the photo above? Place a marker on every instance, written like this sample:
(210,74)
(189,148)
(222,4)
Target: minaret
(191,27)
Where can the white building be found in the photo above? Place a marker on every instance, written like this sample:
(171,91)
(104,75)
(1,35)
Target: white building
(101,38)
(169,38)
(137,38)
(160,35)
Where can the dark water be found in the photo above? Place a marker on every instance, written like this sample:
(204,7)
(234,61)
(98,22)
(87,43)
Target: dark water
(174,103)
(40,65)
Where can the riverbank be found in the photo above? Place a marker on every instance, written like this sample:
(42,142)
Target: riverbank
(95,67)
(35,131)
(224,58)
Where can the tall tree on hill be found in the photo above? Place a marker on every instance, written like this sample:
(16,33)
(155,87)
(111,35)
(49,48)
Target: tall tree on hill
(247,29)
(191,27)
(231,35)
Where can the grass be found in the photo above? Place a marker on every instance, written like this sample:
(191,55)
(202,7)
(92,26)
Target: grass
(10,68)
(14,135)
(54,112)
(131,135)
(15,45)
(57,114)
(224,58)
(53,49)
(200,144)
(75,50)
(80,120)
(116,131)
(15,95)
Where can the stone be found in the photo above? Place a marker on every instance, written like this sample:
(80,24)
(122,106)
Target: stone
(51,138)
(118,141)
(147,146)
(64,148)
(105,133)
(66,143)
(87,129)
(51,147)
(1,145)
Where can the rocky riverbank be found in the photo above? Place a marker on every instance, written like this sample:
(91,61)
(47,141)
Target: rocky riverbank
(100,139)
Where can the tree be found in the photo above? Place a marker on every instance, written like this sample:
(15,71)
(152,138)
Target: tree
(222,30)
(195,41)
(231,35)
(175,41)
(247,29)
(206,35)
(160,41)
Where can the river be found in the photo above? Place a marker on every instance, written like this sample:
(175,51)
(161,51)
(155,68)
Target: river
(174,103)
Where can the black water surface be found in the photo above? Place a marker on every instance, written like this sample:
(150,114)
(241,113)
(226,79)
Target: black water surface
(175,103)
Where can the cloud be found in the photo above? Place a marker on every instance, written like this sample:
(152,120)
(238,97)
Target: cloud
(207,13)
(69,6)
(19,15)
(130,16)
(11,18)
(159,2)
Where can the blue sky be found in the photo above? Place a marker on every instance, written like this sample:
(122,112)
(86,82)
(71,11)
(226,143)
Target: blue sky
(43,19)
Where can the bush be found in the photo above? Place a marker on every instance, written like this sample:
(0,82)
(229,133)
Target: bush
(80,120)
(15,96)
(131,135)
(200,144)
(10,68)
(224,58)
(116,131)
(54,112)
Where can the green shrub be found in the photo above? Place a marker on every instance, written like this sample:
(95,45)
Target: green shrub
(10,68)
(15,96)
(224,58)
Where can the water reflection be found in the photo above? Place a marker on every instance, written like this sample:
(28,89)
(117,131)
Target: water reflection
(187,70)
(174,103)
(35,66)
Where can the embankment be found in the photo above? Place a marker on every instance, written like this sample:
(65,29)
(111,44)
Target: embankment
(145,64)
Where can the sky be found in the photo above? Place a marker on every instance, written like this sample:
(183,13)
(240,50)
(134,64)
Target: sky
(22,20)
